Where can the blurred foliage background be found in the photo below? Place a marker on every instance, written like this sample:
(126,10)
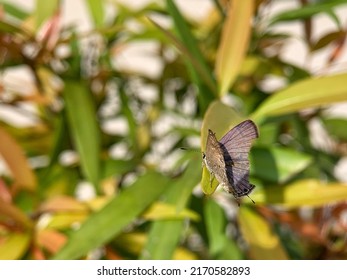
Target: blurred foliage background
(99,172)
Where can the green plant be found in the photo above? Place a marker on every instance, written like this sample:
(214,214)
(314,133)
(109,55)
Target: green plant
(144,208)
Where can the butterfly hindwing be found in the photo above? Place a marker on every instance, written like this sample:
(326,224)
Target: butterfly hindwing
(236,145)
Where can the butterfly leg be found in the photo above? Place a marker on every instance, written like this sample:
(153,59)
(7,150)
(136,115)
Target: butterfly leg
(238,202)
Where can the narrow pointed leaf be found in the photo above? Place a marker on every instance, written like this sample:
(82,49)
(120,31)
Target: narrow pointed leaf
(220,246)
(96,10)
(164,235)
(215,226)
(234,45)
(83,127)
(190,42)
(103,225)
(307,11)
(308,93)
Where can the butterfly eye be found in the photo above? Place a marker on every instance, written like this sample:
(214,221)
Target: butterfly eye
(203,156)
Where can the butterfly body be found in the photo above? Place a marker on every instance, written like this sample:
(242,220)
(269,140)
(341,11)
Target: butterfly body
(227,159)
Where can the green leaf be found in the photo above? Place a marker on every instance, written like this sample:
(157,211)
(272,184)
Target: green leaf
(220,246)
(45,10)
(187,37)
(96,10)
(336,128)
(81,116)
(123,209)
(308,93)
(164,235)
(12,28)
(306,11)
(14,10)
(303,193)
(198,67)
(234,43)
(263,243)
(215,226)
(110,167)
(277,164)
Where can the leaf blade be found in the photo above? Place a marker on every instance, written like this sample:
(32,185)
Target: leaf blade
(101,226)
(234,44)
(170,230)
(265,245)
(308,93)
(83,128)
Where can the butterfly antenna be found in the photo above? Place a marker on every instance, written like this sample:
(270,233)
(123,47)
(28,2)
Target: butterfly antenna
(250,199)
(189,149)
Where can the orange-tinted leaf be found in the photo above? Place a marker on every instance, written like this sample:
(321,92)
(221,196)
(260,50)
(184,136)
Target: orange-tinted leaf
(11,211)
(15,158)
(50,240)
(63,203)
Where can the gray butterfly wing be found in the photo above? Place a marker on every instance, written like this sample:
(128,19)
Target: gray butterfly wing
(236,145)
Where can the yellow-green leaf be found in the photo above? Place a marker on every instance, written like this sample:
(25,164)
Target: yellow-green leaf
(220,118)
(165,211)
(44,10)
(264,244)
(96,10)
(14,246)
(66,220)
(309,93)
(207,186)
(309,192)
(233,47)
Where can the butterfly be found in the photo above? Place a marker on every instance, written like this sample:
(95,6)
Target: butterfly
(227,159)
